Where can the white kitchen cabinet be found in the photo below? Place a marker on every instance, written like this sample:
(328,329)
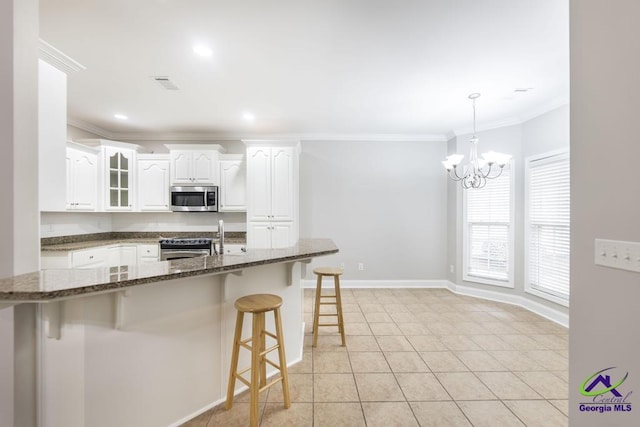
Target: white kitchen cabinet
(101,256)
(153,182)
(124,254)
(119,177)
(270,183)
(194,164)
(233,183)
(148,253)
(82,178)
(89,258)
(270,235)
(272,193)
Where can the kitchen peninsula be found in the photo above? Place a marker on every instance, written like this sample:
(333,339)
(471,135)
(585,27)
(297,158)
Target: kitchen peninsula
(150,344)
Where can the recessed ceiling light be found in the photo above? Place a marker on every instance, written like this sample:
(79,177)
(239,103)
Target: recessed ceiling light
(248,116)
(202,50)
(120,116)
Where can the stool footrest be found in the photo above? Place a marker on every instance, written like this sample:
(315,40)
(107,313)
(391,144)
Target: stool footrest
(328,314)
(239,377)
(270,349)
(327,296)
(328,324)
(277,380)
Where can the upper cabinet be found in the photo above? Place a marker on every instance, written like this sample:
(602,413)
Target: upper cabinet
(233,183)
(82,178)
(117,174)
(153,182)
(194,164)
(270,183)
(120,172)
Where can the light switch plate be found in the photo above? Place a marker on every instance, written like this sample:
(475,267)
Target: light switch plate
(618,254)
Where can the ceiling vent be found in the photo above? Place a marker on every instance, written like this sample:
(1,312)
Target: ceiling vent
(165,82)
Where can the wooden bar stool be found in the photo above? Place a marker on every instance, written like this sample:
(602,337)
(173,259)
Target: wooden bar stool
(258,305)
(337,301)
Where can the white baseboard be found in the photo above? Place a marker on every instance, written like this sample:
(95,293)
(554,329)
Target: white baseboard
(522,301)
(369,284)
(547,312)
(237,392)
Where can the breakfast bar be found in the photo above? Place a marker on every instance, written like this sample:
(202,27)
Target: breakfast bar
(150,344)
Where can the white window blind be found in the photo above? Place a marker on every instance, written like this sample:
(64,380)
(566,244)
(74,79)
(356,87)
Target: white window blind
(488,216)
(548,225)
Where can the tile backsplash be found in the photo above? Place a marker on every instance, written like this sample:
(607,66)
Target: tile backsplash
(54,224)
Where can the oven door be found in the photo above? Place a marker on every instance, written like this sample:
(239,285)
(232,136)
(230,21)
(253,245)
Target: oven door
(169,254)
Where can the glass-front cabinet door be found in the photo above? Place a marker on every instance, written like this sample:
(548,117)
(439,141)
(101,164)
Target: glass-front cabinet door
(119,179)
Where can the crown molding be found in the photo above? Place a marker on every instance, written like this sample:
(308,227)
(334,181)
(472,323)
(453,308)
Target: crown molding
(86,126)
(239,137)
(553,104)
(511,121)
(58,59)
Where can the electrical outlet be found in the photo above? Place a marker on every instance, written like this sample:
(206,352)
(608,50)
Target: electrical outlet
(361,266)
(342,265)
(452,269)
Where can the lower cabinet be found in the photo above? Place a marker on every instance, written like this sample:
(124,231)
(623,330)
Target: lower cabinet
(123,255)
(101,256)
(270,235)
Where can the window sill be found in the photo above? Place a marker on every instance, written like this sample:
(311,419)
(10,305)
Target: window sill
(486,281)
(546,296)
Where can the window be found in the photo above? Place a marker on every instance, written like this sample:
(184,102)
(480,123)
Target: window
(547,226)
(487,232)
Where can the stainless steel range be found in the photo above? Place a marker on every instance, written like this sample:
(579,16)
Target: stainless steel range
(185,248)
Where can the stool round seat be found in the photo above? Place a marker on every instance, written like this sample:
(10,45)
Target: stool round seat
(328,271)
(258,303)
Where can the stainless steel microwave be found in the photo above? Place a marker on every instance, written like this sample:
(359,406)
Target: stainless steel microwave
(194,199)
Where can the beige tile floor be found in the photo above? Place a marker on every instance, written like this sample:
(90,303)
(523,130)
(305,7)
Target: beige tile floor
(420,357)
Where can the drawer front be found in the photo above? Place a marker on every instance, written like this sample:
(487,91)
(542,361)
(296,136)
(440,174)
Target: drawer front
(87,257)
(148,251)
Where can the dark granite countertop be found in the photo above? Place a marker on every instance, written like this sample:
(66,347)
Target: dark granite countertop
(49,285)
(86,241)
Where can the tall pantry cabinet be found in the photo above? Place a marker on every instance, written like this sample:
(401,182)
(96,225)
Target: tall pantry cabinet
(272,193)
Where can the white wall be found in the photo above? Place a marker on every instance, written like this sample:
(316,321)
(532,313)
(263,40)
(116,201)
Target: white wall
(19,220)
(52,137)
(547,132)
(544,133)
(179,221)
(605,201)
(6,215)
(383,203)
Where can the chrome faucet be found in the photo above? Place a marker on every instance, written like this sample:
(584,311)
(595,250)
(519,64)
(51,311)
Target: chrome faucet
(221,236)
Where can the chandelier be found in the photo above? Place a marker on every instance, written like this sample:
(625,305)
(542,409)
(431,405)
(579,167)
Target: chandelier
(479,170)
